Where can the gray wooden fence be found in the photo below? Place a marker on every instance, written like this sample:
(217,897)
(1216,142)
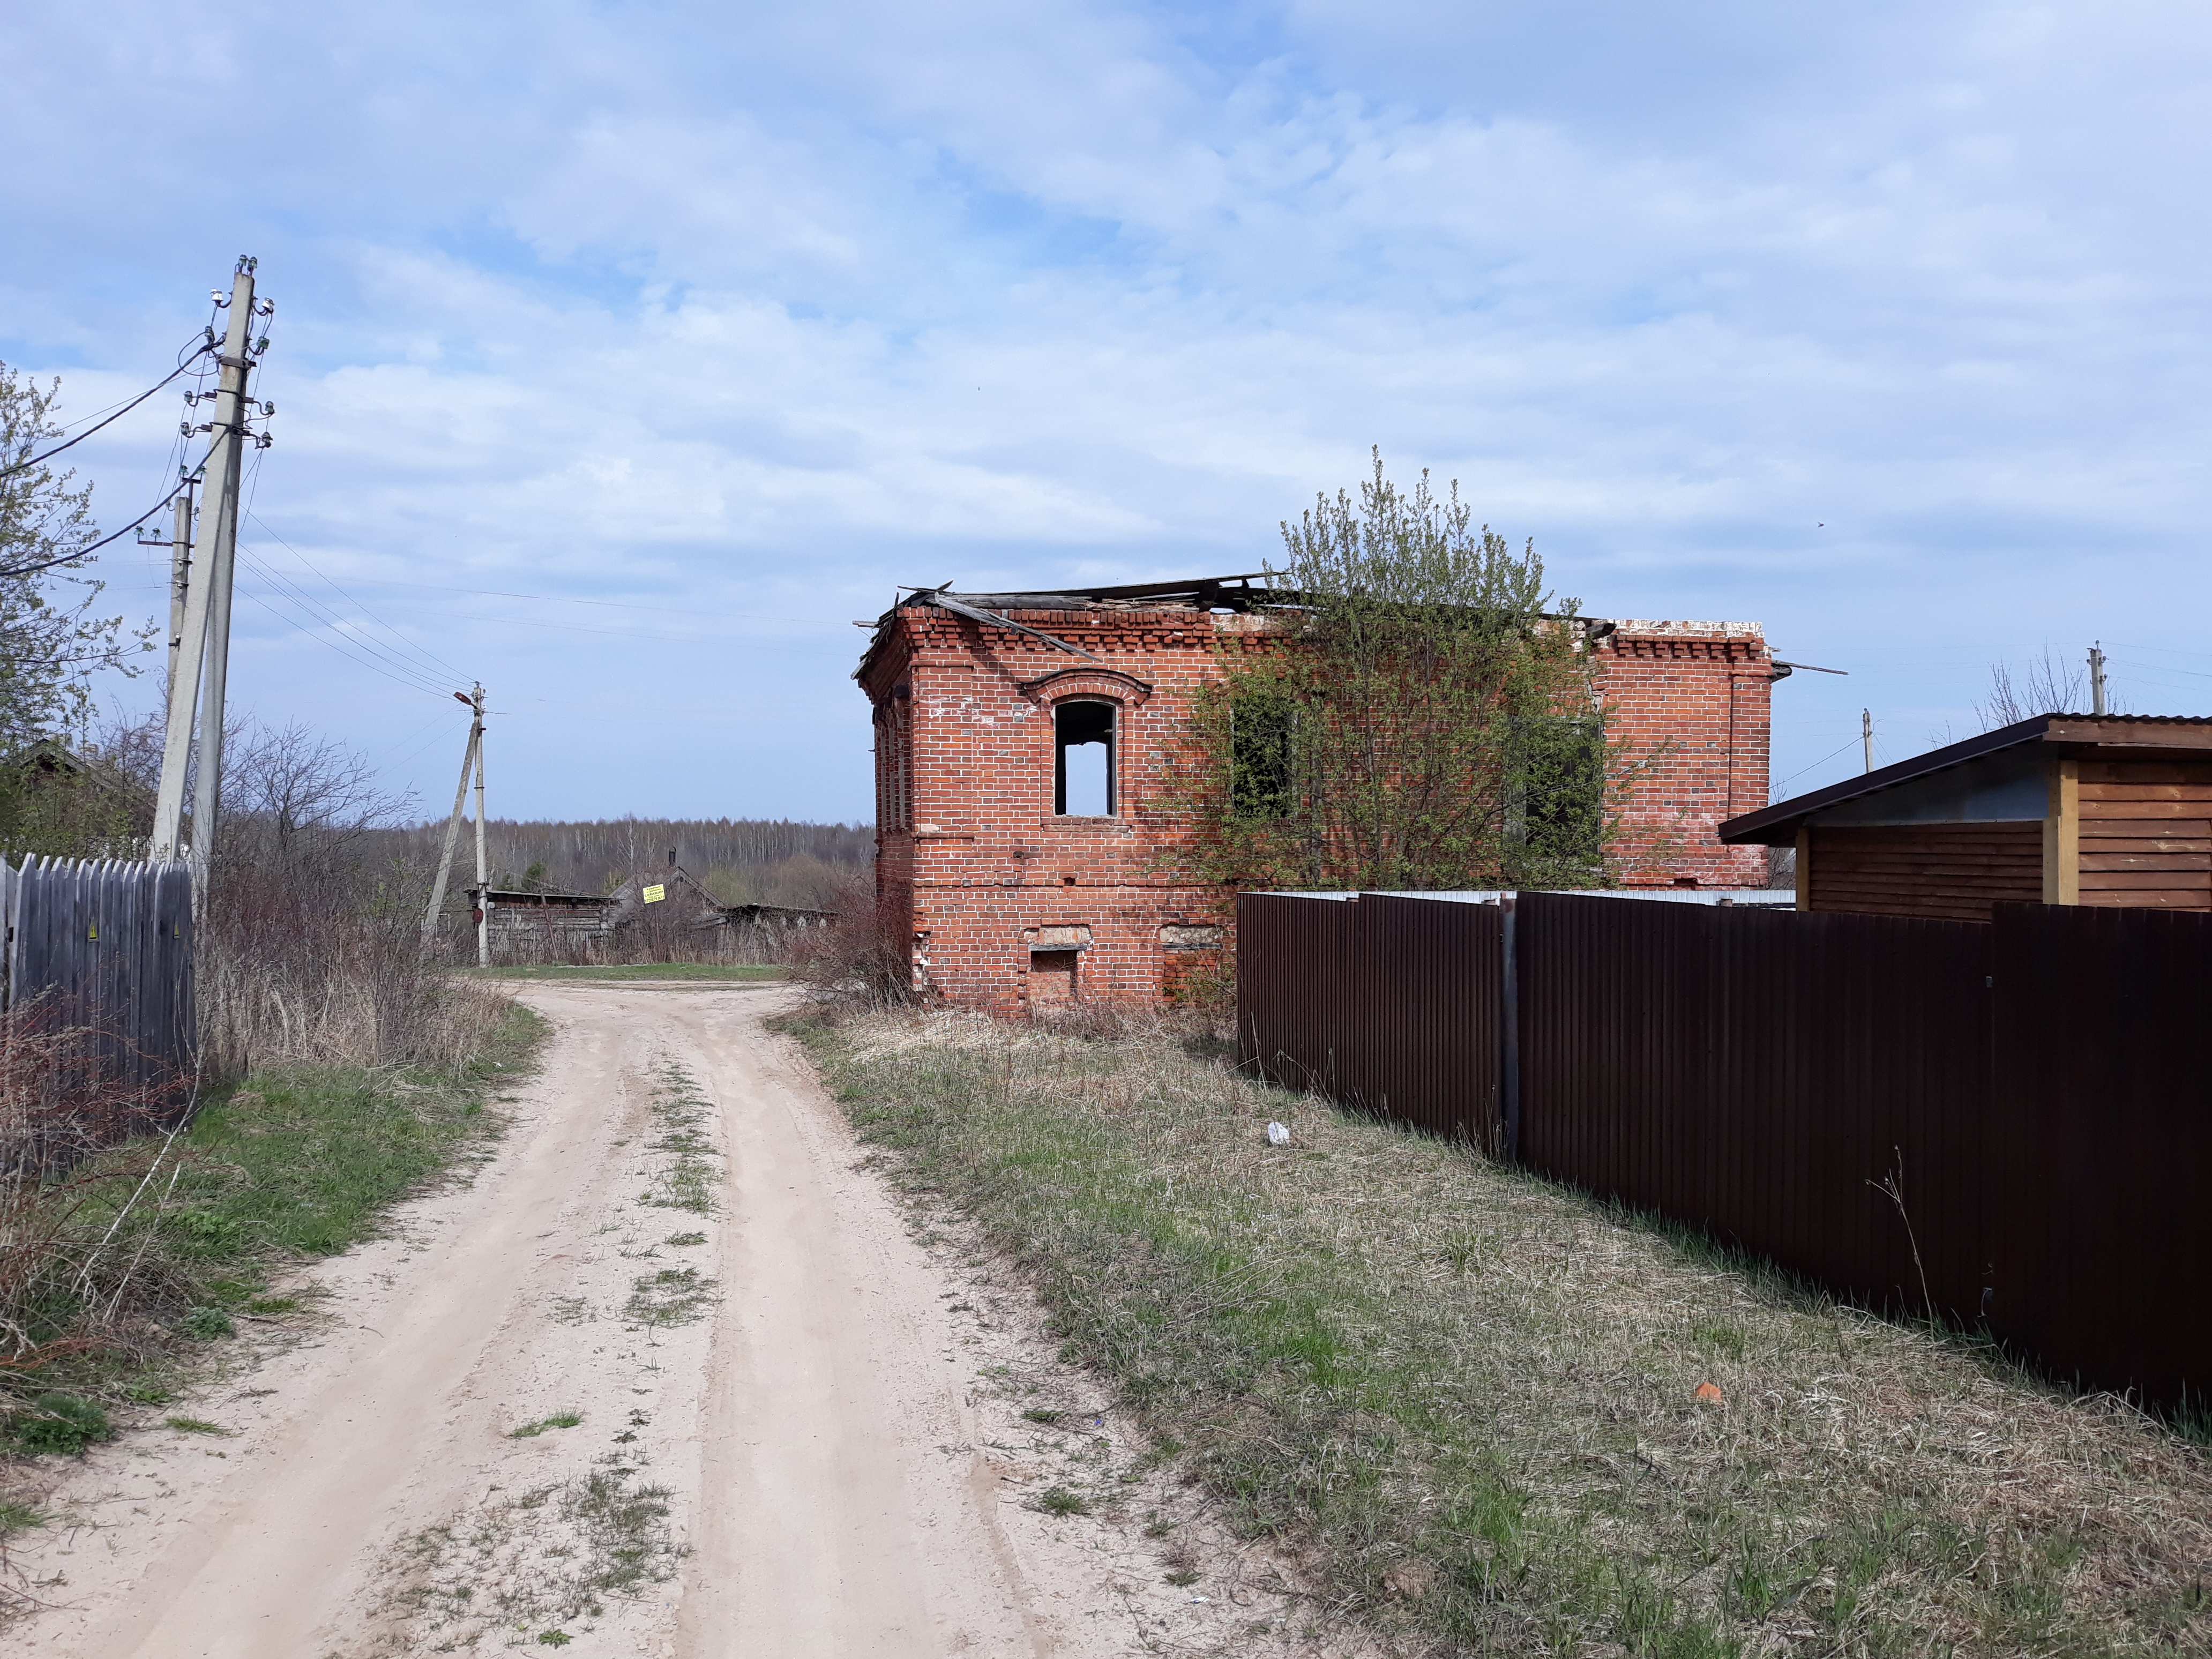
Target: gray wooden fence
(107,945)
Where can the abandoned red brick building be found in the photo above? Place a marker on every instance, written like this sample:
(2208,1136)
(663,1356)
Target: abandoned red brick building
(1023,741)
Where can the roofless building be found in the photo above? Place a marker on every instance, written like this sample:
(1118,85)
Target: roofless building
(1024,742)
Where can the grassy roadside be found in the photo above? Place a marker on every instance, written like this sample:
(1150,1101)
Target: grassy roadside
(156,1252)
(1471,1402)
(696,971)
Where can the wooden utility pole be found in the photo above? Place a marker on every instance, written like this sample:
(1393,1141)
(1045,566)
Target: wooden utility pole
(453,823)
(204,627)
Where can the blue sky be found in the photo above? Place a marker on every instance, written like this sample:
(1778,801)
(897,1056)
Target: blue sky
(624,354)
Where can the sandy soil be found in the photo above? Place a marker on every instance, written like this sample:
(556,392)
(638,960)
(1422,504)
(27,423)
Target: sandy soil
(807,1421)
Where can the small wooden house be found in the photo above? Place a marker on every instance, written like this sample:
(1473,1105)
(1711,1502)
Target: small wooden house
(2064,809)
(541,912)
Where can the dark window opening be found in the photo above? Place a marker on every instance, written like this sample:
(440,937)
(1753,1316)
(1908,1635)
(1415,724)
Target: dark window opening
(1260,758)
(1083,760)
(1561,791)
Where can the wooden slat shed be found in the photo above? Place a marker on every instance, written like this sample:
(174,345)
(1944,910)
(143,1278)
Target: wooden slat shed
(2111,810)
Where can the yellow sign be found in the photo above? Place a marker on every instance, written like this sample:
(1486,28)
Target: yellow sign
(655,893)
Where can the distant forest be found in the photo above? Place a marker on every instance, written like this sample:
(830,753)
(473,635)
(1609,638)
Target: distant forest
(740,861)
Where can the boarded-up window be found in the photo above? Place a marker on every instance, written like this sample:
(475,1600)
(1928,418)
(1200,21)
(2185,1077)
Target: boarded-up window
(1052,975)
(894,764)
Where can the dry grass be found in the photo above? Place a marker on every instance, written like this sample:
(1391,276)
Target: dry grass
(1468,1398)
(352,993)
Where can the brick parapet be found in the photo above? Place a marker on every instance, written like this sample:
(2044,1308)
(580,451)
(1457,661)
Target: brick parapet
(1691,699)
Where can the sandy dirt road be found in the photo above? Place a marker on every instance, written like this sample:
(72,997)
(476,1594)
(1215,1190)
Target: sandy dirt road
(758,1415)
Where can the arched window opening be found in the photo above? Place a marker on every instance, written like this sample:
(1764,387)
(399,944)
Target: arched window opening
(1083,759)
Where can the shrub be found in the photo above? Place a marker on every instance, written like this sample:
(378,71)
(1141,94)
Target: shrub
(206,1323)
(59,1422)
(867,956)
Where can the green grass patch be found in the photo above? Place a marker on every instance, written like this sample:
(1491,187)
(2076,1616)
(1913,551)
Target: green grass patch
(1466,1398)
(305,1163)
(196,1426)
(686,1179)
(673,970)
(558,1420)
(674,1296)
(290,1166)
(59,1423)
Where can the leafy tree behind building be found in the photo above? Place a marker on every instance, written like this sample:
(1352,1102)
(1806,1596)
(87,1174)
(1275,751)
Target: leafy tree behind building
(1426,716)
(60,791)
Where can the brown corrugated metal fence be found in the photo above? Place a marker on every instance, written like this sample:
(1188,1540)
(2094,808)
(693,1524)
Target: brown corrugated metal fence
(1769,1076)
(2006,1121)
(2103,1135)
(1388,1004)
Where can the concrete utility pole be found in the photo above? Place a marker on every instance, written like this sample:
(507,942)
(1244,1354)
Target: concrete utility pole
(205,625)
(483,876)
(179,544)
(453,823)
(1866,735)
(2097,679)
(180,567)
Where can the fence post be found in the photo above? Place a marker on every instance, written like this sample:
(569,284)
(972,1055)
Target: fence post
(1509,1032)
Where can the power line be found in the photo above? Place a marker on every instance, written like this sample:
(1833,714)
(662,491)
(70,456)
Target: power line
(91,547)
(323,617)
(25,466)
(445,728)
(324,639)
(425,653)
(1823,761)
(579,628)
(617,605)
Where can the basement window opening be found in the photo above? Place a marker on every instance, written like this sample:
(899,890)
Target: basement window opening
(1083,759)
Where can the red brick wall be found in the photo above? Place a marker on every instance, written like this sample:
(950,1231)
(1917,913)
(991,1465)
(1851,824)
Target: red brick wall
(964,738)
(1692,700)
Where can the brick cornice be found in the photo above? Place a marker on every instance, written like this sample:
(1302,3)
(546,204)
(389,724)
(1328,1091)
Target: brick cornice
(1107,682)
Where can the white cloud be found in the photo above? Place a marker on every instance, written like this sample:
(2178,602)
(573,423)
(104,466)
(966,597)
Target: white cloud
(755,315)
